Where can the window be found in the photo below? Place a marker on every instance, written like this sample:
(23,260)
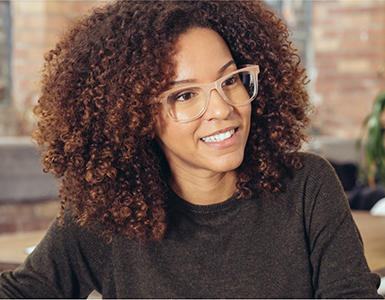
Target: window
(297,15)
(5,52)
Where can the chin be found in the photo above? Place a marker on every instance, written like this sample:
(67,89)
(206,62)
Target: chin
(228,166)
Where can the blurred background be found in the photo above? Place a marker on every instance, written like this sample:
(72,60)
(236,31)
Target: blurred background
(28,29)
(341,43)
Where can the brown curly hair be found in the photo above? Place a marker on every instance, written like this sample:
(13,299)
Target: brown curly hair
(97,115)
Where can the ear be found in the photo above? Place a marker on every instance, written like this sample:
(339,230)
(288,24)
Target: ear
(151,136)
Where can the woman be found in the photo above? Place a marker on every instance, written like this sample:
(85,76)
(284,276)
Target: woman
(176,129)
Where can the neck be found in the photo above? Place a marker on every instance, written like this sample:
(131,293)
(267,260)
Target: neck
(204,190)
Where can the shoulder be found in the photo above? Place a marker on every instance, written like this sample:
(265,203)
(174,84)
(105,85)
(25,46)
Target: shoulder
(317,172)
(68,235)
(313,162)
(316,169)
(315,184)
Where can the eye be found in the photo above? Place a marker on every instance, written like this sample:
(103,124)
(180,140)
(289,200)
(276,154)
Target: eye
(230,81)
(184,96)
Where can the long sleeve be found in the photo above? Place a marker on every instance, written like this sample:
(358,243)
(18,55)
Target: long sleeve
(336,250)
(65,264)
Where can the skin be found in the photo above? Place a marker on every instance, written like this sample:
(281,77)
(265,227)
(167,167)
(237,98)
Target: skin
(204,173)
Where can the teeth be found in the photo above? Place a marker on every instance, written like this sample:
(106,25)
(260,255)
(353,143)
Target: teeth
(219,137)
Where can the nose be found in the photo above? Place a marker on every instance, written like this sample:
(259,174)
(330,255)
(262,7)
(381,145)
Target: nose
(217,108)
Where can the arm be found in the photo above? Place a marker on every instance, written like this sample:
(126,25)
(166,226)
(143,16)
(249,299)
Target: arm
(336,251)
(65,264)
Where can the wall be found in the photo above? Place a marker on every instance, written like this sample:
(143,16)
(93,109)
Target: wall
(348,44)
(28,197)
(27,216)
(349,59)
(36,27)
(347,63)
(347,70)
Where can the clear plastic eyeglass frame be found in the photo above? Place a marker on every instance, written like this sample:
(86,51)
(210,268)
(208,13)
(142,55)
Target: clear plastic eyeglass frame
(208,87)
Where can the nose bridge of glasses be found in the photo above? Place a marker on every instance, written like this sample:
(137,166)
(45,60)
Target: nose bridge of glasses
(217,99)
(216,89)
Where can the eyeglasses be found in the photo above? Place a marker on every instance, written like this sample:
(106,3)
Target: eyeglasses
(190,102)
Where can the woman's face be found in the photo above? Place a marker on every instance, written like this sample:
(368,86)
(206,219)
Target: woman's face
(216,141)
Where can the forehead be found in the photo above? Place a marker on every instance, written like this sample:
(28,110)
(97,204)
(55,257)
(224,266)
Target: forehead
(200,52)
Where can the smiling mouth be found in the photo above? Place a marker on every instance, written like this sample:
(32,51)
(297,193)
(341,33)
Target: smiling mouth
(219,137)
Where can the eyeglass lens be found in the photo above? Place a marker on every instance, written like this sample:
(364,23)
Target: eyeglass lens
(237,89)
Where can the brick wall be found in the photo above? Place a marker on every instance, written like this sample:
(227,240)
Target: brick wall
(349,58)
(36,28)
(27,216)
(348,44)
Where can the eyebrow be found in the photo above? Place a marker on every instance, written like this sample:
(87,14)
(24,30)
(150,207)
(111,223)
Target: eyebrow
(221,70)
(231,62)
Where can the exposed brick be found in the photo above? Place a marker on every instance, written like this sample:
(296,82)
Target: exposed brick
(348,44)
(29,23)
(8,227)
(79,7)
(46,209)
(27,216)
(56,23)
(28,8)
(37,26)
(348,70)
(57,8)
(32,225)
(353,66)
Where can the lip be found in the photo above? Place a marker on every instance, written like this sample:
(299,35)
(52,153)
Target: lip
(221,131)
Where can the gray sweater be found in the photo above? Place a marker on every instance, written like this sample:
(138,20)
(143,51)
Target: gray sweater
(302,243)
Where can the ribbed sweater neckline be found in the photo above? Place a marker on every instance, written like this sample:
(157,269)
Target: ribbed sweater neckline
(174,199)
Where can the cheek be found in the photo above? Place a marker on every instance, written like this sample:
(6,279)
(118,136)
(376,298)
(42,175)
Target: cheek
(246,120)
(166,130)
(161,123)
(245,113)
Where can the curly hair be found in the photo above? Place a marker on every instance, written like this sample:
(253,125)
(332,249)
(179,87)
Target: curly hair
(97,115)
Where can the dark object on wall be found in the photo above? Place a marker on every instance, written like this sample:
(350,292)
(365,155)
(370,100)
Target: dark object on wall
(347,173)
(364,197)
(359,196)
